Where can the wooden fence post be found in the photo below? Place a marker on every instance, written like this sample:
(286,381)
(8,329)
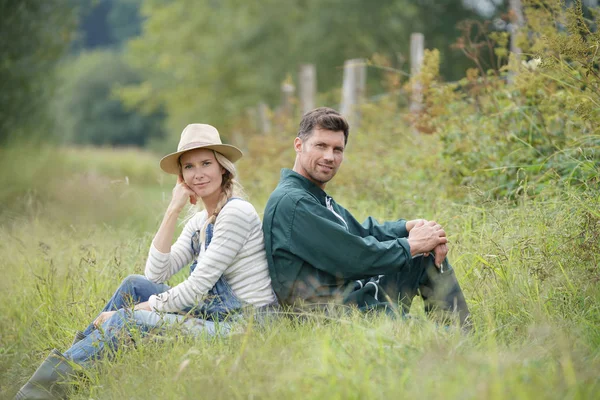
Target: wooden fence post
(417,50)
(307,83)
(353,89)
(264,122)
(517,22)
(287,94)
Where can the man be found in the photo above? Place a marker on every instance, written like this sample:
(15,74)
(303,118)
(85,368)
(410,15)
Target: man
(319,253)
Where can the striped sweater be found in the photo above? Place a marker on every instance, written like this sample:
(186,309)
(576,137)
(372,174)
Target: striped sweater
(236,252)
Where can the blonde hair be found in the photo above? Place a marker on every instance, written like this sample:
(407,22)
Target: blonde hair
(230,187)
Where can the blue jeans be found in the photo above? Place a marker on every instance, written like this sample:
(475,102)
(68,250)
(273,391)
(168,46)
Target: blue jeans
(134,289)
(117,330)
(218,304)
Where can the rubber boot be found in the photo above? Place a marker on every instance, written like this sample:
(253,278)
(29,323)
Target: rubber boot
(49,380)
(78,337)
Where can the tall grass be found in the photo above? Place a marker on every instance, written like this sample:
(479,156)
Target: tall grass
(75,222)
(82,185)
(529,270)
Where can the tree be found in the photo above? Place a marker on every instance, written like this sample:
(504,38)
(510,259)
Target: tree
(209,60)
(106,23)
(33,36)
(89,113)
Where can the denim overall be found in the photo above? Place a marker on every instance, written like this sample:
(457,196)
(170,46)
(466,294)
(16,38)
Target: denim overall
(209,317)
(220,301)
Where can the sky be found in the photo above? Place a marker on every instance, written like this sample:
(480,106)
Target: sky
(483,7)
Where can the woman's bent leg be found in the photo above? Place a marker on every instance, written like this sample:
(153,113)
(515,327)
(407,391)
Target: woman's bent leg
(117,330)
(134,289)
(114,332)
(194,326)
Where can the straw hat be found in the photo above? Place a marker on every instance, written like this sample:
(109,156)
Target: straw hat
(198,136)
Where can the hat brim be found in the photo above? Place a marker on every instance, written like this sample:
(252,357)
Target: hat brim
(170,162)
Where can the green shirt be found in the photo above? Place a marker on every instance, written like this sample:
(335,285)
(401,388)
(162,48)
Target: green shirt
(316,253)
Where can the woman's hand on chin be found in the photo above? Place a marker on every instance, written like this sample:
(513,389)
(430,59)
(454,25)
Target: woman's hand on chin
(181,195)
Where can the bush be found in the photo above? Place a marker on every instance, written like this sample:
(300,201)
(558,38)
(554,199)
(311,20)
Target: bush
(514,130)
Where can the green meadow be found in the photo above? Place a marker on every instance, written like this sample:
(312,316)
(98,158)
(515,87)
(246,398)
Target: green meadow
(507,159)
(76,221)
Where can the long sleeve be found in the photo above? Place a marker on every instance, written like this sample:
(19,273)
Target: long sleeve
(388,230)
(231,231)
(161,266)
(336,250)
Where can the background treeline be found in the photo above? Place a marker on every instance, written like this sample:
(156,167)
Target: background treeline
(132,72)
(126,72)
(33,36)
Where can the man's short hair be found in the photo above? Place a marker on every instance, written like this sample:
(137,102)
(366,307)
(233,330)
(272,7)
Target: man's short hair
(323,118)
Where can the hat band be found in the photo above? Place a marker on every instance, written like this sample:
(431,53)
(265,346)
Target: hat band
(197,144)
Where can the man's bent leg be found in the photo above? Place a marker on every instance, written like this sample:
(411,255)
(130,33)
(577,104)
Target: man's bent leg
(403,286)
(440,290)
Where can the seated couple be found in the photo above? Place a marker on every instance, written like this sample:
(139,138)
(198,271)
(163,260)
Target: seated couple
(312,252)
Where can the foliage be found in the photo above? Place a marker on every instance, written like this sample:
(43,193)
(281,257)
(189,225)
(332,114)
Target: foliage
(106,24)
(209,61)
(33,36)
(88,112)
(512,130)
(124,20)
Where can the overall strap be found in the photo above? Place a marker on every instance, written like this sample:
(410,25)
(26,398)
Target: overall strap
(210,227)
(196,239)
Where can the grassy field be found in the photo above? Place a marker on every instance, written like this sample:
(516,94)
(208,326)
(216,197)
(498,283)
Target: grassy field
(75,222)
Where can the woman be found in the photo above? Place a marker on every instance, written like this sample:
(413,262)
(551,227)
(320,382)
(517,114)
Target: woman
(229,271)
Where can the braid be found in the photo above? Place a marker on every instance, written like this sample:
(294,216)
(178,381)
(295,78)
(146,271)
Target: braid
(227,190)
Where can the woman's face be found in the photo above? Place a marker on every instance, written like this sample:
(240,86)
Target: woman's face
(202,173)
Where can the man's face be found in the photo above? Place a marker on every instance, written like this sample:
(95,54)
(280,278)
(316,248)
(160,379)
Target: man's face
(320,155)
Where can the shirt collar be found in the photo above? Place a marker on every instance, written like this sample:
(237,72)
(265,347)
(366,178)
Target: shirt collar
(288,174)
